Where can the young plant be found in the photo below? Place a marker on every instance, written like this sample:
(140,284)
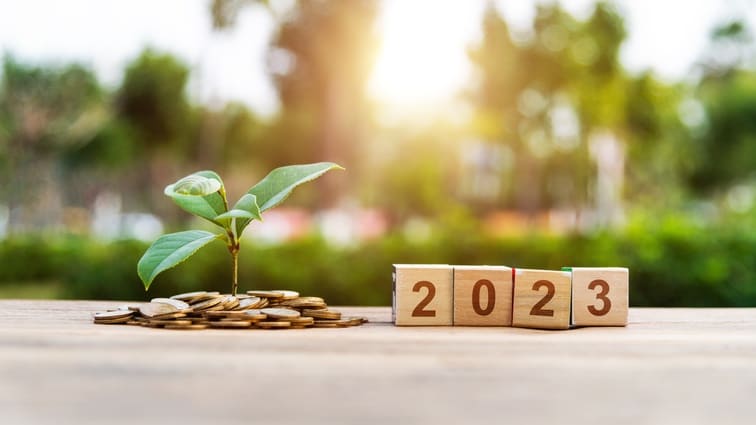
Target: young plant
(204,195)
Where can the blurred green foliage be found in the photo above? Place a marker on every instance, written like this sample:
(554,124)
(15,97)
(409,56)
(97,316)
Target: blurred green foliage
(727,151)
(673,262)
(537,100)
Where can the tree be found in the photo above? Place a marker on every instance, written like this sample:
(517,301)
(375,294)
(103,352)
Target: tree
(553,97)
(152,98)
(152,102)
(44,112)
(321,58)
(520,88)
(727,147)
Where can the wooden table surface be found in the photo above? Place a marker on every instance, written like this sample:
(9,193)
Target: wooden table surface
(667,366)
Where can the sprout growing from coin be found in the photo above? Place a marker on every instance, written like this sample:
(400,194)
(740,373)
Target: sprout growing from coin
(204,195)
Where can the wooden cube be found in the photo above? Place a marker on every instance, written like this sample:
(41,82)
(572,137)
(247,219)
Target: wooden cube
(482,296)
(423,295)
(541,299)
(600,296)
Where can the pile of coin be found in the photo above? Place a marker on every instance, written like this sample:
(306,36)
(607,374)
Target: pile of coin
(276,309)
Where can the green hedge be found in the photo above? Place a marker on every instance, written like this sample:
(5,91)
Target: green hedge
(672,263)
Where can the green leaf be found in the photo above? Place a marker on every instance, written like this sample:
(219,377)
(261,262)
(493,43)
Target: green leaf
(197,185)
(170,250)
(234,213)
(244,211)
(279,183)
(247,203)
(194,193)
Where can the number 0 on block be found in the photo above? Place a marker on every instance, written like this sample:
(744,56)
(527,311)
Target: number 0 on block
(422,295)
(482,296)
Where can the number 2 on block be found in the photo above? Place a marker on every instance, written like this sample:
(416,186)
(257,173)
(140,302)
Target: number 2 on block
(607,303)
(538,309)
(420,310)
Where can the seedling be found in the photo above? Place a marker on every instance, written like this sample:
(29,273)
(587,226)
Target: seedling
(204,195)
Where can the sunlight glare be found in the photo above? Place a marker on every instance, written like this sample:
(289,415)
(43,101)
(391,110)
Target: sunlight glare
(422,61)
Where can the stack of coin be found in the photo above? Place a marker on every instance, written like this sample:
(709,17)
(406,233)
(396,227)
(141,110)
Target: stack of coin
(278,309)
(113,317)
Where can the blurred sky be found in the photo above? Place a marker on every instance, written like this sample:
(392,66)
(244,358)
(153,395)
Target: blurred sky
(422,61)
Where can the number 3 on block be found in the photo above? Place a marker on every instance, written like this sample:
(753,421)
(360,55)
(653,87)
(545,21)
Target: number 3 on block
(541,299)
(423,295)
(599,296)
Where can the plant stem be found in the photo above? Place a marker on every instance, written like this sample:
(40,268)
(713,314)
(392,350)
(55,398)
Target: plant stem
(233,249)
(235,267)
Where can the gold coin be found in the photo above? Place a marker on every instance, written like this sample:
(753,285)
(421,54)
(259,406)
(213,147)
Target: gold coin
(207,304)
(250,302)
(322,314)
(287,295)
(304,306)
(307,306)
(222,314)
(301,321)
(274,309)
(189,296)
(156,309)
(177,315)
(273,325)
(355,321)
(280,313)
(337,322)
(254,314)
(126,307)
(325,325)
(110,315)
(218,307)
(186,327)
(179,305)
(305,302)
(230,324)
(112,321)
(266,294)
(230,302)
(184,322)
(205,297)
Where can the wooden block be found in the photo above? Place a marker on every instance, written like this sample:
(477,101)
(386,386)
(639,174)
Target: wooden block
(423,295)
(482,296)
(600,296)
(541,299)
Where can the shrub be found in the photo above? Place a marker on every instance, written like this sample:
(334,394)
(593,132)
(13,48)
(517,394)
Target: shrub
(672,263)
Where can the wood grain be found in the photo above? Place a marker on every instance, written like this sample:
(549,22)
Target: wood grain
(541,299)
(604,304)
(423,295)
(490,304)
(693,366)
